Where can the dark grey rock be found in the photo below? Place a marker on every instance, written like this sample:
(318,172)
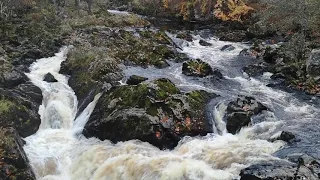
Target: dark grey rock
(13,160)
(150,112)
(135,80)
(228,47)
(204,43)
(49,78)
(256,69)
(300,167)
(13,78)
(240,111)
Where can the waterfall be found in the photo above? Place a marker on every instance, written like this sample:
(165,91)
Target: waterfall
(49,149)
(59,151)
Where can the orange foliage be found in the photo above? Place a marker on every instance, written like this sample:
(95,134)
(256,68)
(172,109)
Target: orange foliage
(232,10)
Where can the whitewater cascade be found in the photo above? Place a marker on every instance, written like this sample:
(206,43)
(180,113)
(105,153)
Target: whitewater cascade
(59,151)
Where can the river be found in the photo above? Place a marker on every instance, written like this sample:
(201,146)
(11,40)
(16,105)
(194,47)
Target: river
(59,151)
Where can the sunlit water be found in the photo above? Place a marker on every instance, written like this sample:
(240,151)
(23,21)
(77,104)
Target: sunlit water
(58,151)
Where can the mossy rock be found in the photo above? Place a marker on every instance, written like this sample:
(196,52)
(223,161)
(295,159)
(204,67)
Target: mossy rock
(150,48)
(156,112)
(199,68)
(135,80)
(14,164)
(19,109)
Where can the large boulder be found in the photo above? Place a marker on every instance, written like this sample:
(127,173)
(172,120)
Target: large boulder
(199,68)
(240,111)
(300,167)
(12,78)
(13,160)
(157,113)
(19,108)
(313,63)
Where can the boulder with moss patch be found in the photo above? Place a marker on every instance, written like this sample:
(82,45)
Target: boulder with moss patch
(199,68)
(19,108)
(13,160)
(157,113)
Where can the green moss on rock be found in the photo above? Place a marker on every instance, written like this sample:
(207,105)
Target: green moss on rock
(167,114)
(13,161)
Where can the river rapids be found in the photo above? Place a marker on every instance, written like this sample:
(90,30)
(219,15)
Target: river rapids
(59,151)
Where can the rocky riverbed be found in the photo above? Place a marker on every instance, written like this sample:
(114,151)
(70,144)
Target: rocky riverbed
(159,98)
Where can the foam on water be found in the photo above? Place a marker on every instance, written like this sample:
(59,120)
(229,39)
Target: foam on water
(58,151)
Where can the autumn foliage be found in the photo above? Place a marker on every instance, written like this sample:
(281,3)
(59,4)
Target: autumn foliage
(226,10)
(232,10)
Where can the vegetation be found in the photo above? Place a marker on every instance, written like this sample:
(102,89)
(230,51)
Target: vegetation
(232,10)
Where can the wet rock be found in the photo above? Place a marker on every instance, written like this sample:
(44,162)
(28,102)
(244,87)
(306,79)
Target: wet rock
(14,163)
(271,55)
(276,170)
(135,80)
(313,63)
(32,54)
(204,43)
(185,36)
(240,111)
(256,69)
(181,57)
(228,47)
(49,78)
(307,161)
(196,68)
(284,136)
(13,78)
(161,64)
(157,113)
(19,108)
(245,52)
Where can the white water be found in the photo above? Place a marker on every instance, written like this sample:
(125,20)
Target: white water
(57,151)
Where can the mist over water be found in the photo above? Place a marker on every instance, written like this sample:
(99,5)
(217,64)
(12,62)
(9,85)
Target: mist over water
(59,151)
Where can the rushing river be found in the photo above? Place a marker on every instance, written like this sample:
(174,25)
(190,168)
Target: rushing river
(59,151)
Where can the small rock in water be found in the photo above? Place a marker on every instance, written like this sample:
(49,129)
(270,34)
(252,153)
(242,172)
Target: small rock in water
(286,136)
(245,52)
(135,80)
(228,47)
(185,36)
(239,112)
(49,78)
(255,69)
(196,68)
(162,64)
(204,43)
